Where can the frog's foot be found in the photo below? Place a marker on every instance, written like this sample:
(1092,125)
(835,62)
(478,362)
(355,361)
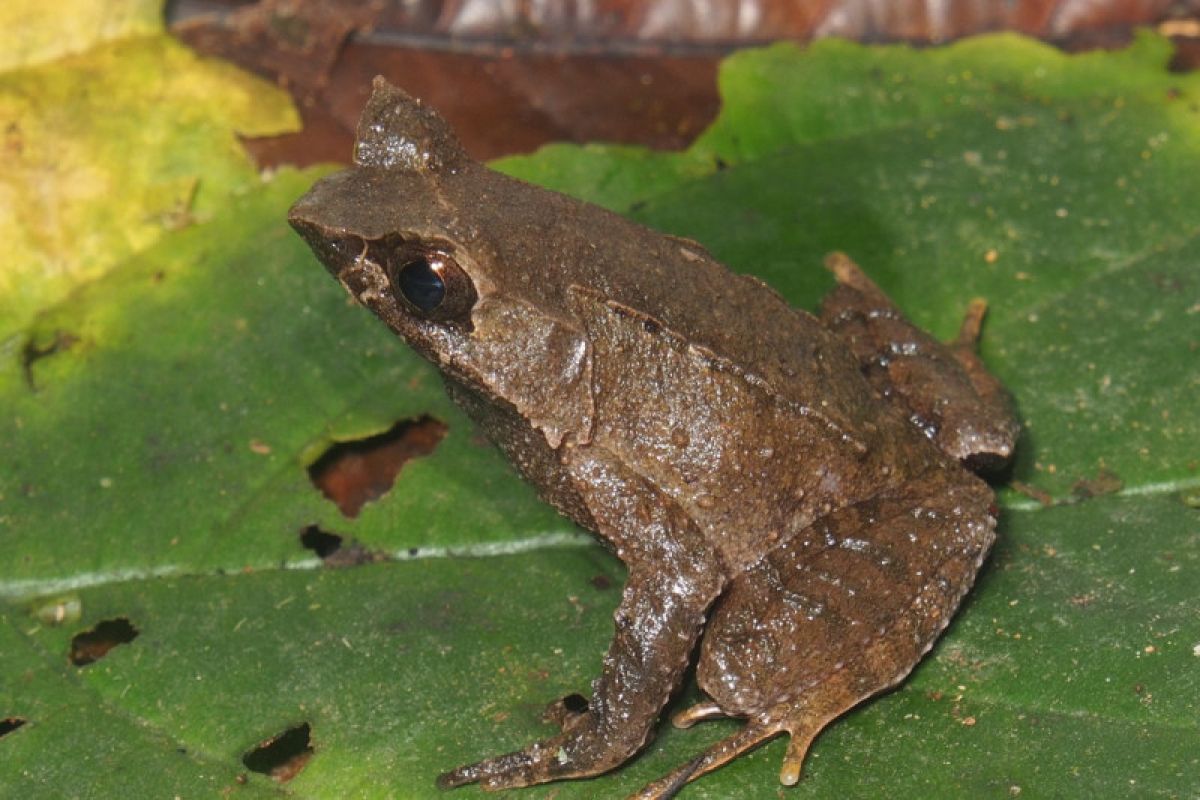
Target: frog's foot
(801,724)
(721,753)
(511,770)
(585,748)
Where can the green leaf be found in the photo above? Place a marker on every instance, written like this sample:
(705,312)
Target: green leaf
(160,418)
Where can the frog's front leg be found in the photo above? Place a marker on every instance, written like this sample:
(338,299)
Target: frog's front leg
(674,576)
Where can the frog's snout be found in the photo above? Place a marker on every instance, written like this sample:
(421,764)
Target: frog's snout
(332,250)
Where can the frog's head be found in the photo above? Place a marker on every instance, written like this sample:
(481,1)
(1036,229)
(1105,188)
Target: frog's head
(390,232)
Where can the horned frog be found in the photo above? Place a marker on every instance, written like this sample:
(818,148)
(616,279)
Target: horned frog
(790,490)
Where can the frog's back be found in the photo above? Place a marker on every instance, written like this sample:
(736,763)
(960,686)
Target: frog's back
(675,282)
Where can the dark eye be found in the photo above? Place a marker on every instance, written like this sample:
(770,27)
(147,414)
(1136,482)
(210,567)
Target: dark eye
(421,284)
(432,283)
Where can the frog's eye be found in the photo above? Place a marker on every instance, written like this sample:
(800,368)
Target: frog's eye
(431,283)
(421,283)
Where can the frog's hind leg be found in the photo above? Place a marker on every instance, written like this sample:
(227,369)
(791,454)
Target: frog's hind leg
(943,388)
(719,754)
(840,612)
(801,721)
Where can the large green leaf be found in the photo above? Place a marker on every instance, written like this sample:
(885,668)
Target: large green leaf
(158,422)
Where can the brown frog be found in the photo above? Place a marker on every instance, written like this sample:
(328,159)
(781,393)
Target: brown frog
(786,489)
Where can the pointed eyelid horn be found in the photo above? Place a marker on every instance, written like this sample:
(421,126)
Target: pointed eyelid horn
(398,132)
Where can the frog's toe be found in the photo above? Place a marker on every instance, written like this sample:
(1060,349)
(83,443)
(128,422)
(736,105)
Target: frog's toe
(700,712)
(721,753)
(581,751)
(793,759)
(538,763)
(508,771)
(460,776)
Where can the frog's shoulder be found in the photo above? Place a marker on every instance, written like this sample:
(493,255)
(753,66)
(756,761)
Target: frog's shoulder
(609,322)
(619,334)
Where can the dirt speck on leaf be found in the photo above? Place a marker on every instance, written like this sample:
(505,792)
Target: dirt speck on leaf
(1105,482)
(1033,492)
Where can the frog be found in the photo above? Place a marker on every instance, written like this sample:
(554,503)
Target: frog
(795,496)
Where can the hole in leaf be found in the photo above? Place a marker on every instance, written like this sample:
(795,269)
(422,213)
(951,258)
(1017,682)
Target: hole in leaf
(334,551)
(94,644)
(322,543)
(283,756)
(10,724)
(352,474)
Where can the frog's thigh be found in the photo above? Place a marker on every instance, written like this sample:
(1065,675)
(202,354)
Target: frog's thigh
(842,611)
